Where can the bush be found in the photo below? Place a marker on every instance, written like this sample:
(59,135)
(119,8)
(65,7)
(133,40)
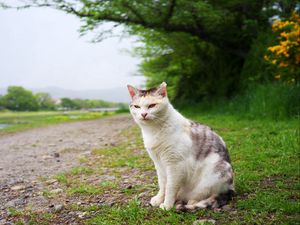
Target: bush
(272,100)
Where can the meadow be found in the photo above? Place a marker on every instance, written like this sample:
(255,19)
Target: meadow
(116,183)
(11,122)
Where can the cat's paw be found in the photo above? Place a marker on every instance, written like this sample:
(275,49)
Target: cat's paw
(156,200)
(165,206)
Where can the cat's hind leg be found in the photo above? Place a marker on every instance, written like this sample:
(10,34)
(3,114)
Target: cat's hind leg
(214,201)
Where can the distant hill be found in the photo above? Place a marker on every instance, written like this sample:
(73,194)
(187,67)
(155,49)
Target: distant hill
(119,94)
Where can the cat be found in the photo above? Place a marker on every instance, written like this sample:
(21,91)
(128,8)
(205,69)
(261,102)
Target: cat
(192,162)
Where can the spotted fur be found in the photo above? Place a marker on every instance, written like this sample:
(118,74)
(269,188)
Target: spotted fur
(191,160)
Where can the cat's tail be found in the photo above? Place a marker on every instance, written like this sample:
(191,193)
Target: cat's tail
(214,201)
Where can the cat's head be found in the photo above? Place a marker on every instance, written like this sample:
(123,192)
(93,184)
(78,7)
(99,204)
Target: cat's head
(148,106)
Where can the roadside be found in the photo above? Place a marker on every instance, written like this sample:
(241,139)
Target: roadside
(27,158)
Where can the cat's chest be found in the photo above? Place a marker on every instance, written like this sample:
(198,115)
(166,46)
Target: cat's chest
(165,139)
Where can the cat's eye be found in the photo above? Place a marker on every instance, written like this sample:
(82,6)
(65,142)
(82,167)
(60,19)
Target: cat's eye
(136,106)
(151,106)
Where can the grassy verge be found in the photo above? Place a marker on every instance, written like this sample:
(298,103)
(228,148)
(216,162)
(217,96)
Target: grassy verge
(115,185)
(17,121)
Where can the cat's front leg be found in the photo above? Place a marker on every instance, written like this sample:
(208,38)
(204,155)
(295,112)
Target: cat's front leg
(174,182)
(159,198)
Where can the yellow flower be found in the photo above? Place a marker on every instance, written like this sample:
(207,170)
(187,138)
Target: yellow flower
(283,65)
(277,77)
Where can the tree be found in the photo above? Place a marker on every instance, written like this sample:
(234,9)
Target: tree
(68,103)
(20,99)
(218,35)
(45,101)
(1,102)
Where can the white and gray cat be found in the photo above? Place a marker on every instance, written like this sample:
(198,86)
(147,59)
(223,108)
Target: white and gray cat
(191,160)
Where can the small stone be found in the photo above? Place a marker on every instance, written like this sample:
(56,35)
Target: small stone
(51,181)
(107,177)
(17,187)
(45,157)
(86,153)
(58,208)
(81,214)
(233,212)
(142,194)
(10,204)
(56,191)
(113,144)
(203,221)
(226,208)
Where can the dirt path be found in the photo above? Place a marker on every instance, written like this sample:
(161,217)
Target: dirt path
(42,152)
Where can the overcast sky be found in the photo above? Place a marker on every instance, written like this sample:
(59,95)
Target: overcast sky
(41,48)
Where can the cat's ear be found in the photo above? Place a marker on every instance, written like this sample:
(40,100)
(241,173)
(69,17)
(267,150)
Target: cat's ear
(132,90)
(162,89)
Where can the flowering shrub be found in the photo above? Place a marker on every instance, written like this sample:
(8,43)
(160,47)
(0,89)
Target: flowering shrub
(285,56)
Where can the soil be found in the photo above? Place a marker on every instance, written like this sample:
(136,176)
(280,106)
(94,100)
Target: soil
(28,156)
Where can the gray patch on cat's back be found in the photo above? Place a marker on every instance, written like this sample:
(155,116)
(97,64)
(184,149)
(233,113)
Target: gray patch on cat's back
(225,171)
(206,141)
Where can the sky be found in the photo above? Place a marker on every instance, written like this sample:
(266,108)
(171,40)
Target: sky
(41,48)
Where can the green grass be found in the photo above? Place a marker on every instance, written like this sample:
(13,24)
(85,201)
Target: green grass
(275,101)
(18,121)
(265,157)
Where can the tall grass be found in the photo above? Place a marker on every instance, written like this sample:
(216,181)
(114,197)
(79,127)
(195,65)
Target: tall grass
(274,101)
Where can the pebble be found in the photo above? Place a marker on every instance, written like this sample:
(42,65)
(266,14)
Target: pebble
(18,187)
(56,191)
(226,208)
(15,202)
(113,144)
(46,157)
(107,177)
(203,221)
(51,181)
(81,214)
(58,208)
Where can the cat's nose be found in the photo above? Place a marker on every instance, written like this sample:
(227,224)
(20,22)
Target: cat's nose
(144,115)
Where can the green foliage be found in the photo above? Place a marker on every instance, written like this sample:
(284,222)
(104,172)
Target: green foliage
(193,69)
(20,99)
(68,103)
(2,106)
(255,69)
(272,100)
(204,49)
(45,101)
(92,103)
(200,69)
